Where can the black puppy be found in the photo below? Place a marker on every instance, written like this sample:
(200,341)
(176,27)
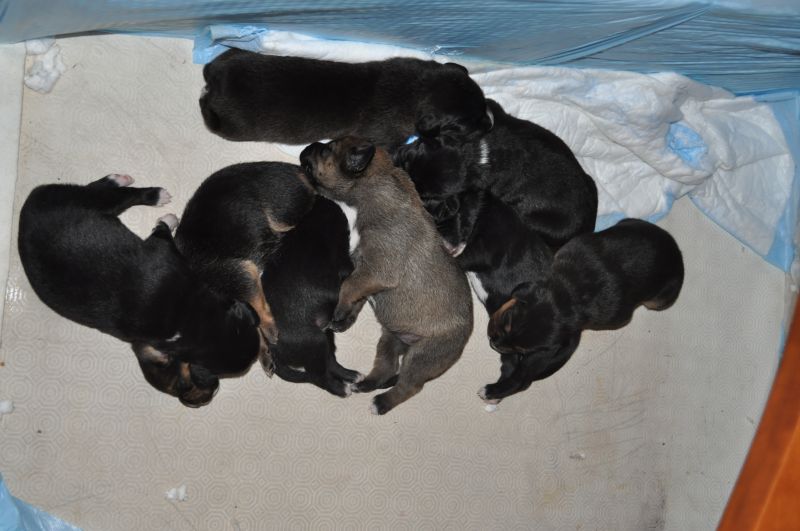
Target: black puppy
(88,267)
(234,222)
(522,164)
(301,281)
(595,282)
(250,96)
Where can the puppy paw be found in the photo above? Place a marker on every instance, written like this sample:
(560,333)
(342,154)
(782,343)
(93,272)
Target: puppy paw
(121,180)
(270,332)
(454,250)
(486,395)
(379,406)
(170,220)
(164,197)
(343,318)
(267,363)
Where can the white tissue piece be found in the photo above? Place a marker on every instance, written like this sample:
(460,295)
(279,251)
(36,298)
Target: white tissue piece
(38,46)
(177,494)
(6,407)
(490,408)
(45,70)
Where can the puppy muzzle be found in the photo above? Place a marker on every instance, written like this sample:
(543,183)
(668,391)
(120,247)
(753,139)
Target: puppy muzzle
(307,157)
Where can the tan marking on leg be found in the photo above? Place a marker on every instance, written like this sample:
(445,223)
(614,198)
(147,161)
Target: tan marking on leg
(267,328)
(499,313)
(277,226)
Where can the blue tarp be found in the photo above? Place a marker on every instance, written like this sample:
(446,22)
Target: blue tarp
(738,49)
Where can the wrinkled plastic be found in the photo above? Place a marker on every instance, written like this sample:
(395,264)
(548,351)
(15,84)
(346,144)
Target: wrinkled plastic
(738,45)
(16,515)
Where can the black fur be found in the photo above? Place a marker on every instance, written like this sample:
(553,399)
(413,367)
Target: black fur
(596,281)
(88,267)
(251,96)
(527,167)
(234,222)
(301,281)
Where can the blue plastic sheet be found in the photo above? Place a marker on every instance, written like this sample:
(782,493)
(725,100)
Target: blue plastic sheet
(16,515)
(740,49)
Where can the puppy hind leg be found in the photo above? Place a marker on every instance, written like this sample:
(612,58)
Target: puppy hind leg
(113,180)
(332,364)
(386,365)
(116,200)
(424,361)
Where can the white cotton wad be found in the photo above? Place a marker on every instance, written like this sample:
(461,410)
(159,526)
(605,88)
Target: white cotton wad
(6,407)
(42,75)
(177,494)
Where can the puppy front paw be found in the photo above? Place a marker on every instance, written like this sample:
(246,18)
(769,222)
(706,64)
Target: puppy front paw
(486,394)
(170,220)
(380,405)
(164,197)
(121,180)
(343,318)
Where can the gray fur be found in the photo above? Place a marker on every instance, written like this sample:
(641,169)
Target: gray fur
(418,293)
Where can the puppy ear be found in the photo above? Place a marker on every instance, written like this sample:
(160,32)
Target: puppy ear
(458,66)
(244,312)
(428,126)
(359,157)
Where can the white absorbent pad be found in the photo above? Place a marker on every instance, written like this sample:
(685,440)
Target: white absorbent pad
(647,139)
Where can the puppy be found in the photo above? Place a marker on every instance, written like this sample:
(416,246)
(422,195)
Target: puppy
(595,282)
(231,226)
(417,291)
(250,96)
(88,267)
(301,281)
(520,163)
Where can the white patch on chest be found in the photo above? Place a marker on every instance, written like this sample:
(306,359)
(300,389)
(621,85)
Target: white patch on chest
(351,214)
(484,145)
(174,338)
(477,287)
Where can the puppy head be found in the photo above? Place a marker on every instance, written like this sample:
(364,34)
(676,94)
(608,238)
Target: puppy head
(337,167)
(219,338)
(226,342)
(523,324)
(193,385)
(437,171)
(454,105)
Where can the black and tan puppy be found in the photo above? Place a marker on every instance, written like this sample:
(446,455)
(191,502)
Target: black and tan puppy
(88,267)
(301,281)
(233,223)
(522,164)
(250,96)
(418,293)
(596,281)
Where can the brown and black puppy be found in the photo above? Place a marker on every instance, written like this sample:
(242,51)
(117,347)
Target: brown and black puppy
(301,282)
(88,267)
(232,224)
(251,96)
(595,282)
(520,163)
(418,293)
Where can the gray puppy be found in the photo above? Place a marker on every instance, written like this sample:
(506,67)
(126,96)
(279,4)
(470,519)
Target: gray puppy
(419,295)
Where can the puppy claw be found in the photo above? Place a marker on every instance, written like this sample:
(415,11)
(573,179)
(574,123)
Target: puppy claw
(170,220)
(164,197)
(121,180)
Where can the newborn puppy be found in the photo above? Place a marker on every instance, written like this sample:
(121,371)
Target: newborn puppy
(250,96)
(88,267)
(522,164)
(301,281)
(596,281)
(418,293)
(231,226)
